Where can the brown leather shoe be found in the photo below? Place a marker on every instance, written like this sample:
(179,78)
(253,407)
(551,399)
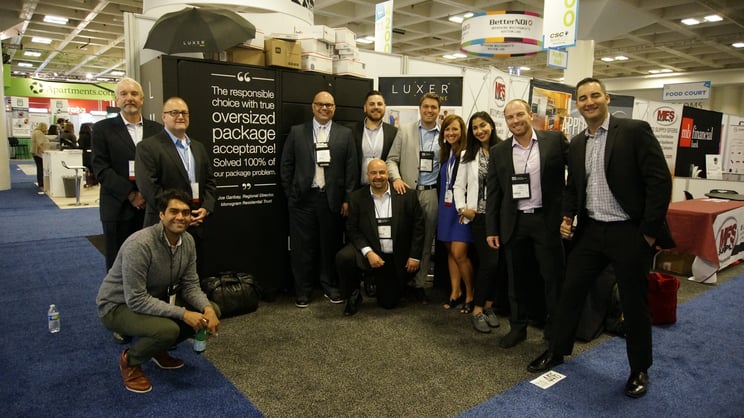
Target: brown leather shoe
(134,378)
(165,361)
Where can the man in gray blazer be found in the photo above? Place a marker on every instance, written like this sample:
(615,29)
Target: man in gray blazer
(319,170)
(413,163)
(526,178)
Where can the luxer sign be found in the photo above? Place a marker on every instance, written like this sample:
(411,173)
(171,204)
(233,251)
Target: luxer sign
(685,92)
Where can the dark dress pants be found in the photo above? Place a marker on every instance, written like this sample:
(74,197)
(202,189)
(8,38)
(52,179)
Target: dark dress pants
(488,262)
(596,245)
(389,279)
(115,233)
(315,237)
(39,171)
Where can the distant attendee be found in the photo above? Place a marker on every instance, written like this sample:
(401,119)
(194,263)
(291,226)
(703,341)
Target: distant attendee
(67,138)
(39,143)
(53,130)
(84,143)
(152,292)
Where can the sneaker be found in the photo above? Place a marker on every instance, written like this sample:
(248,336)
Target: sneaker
(134,378)
(480,323)
(334,297)
(165,361)
(302,303)
(491,318)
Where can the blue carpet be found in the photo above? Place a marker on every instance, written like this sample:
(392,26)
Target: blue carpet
(75,372)
(697,371)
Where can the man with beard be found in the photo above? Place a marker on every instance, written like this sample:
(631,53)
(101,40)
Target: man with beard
(386,233)
(373,137)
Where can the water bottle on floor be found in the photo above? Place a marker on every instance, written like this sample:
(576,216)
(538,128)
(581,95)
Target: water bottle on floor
(200,341)
(53,318)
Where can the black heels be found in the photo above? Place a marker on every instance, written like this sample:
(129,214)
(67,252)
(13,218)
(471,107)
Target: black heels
(454,303)
(467,307)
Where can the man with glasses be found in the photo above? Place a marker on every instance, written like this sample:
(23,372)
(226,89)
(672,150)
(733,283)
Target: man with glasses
(319,171)
(172,160)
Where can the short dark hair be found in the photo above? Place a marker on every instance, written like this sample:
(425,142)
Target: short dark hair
(171,194)
(588,80)
(431,96)
(373,93)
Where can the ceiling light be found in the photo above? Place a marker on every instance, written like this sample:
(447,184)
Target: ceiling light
(690,21)
(460,18)
(621,58)
(449,56)
(523,68)
(459,55)
(713,18)
(59,20)
(366,40)
(89,76)
(608,59)
(666,70)
(738,44)
(654,71)
(117,73)
(25,64)
(41,40)
(32,53)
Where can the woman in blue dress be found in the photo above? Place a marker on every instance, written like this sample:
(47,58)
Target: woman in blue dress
(456,236)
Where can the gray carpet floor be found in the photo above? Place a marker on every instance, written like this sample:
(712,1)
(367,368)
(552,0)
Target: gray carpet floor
(414,361)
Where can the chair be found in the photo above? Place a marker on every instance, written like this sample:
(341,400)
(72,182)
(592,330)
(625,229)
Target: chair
(77,180)
(688,195)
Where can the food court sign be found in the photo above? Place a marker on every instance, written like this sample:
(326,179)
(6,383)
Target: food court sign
(685,92)
(502,34)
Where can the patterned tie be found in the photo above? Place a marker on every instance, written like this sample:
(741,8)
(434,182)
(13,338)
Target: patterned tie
(320,171)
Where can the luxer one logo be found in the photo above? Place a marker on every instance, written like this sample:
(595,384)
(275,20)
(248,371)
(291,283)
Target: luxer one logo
(195,42)
(726,239)
(665,115)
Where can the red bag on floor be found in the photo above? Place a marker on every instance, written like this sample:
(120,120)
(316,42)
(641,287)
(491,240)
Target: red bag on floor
(662,298)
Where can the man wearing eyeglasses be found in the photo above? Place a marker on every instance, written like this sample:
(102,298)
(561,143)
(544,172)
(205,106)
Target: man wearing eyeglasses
(318,171)
(172,160)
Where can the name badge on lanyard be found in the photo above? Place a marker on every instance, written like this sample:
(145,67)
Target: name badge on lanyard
(131,169)
(426,161)
(385,228)
(322,154)
(521,186)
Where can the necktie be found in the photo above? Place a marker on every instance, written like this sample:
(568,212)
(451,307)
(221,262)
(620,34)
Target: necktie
(320,171)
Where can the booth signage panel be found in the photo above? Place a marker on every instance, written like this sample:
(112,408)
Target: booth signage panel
(29,87)
(502,34)
(681,92)
(407,91)
(560,23)
(384,27)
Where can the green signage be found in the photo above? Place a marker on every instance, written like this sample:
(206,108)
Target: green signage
(29,87)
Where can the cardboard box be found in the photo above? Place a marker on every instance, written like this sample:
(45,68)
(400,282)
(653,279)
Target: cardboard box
(317,62)
(344,36)
(320,32)
(316,46)
(349,67)
(281,53)
(675,263)
(249,56)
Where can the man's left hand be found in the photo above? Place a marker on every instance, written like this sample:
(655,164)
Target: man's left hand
(345,209)
(197,216)
(412,265)
(650,240)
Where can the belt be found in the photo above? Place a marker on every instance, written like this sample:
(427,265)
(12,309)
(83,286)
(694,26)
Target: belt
(433,186)
(531,211)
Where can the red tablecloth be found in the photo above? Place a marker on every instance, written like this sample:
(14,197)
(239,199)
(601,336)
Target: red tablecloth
(691,223)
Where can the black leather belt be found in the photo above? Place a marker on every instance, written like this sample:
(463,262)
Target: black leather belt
(531,211)
(426,187)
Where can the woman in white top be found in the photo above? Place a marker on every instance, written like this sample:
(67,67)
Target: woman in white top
(470,201)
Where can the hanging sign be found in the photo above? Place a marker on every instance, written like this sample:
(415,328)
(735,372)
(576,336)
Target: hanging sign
(560,23)
(502,34)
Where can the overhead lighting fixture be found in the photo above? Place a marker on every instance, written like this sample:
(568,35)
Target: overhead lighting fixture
(690,21)
(89,76)
(608,59)
(25,64)
(621,58)
(366,40)
(59,20)
(713,18)
(41,40)
(455,56)
(738,44)
(449,56)
(666,70)
(524,68)
(460,18)
(28,53)
(117,73)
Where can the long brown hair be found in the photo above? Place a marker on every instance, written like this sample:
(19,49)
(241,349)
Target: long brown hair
(444,146)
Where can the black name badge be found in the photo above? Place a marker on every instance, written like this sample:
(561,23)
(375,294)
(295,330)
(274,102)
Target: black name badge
(520,186)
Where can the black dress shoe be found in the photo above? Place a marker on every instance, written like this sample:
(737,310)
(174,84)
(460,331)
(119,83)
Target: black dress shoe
(352,303)
(546,361)
(637,385)
(121,339)
(514,337)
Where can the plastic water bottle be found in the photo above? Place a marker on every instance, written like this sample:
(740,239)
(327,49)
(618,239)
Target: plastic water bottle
(200,341)
(53,318)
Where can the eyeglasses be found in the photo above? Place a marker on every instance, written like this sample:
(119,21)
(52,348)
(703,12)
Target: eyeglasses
(175,113)
(324,105)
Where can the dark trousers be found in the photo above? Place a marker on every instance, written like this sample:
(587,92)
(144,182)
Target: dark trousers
(315,237)
(596,245)
(115,233)
(531,230)
(39,171)
(488,263)
(389,279)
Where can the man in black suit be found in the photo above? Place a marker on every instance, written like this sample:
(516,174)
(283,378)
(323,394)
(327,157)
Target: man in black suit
(172,160)
(619,187)
(373,137)
(525,184)
(113,145)
(318,171)
(386,235)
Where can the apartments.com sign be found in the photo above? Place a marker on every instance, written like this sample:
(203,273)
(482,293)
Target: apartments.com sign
(28,87)
(685,92)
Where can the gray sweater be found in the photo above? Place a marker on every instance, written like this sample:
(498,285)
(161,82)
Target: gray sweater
(143,271)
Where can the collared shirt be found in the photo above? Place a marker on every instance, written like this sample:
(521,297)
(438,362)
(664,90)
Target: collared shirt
(372,140)
(383,209)
(136,130)
(323,133)
(429,141)
(527,160)
(601,204)
(183,146)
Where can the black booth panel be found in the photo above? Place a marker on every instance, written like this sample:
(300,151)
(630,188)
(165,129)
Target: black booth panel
(351,91)
(301,87)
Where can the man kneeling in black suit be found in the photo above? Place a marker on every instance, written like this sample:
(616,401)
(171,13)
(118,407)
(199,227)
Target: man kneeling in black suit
(385,232)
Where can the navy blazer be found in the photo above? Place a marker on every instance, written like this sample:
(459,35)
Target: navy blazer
(159,167)
(501,208)
(112,150)
(637,174)
(297,168)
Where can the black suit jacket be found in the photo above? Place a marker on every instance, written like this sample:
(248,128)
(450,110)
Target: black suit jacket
(388,135)
(636,172)
(113,149)
(501,208)
(159,167)
(298,165)
(407,225)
